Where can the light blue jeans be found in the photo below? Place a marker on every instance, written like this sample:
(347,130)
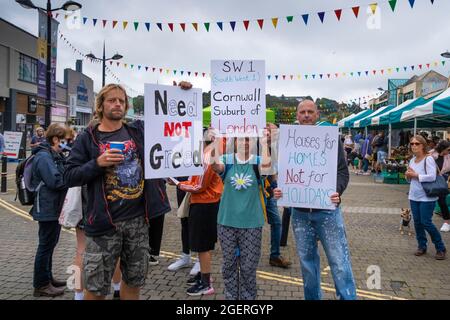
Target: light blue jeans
(273,218)
(328,227)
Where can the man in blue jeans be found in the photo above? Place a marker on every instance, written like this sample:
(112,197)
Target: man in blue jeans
(327,226)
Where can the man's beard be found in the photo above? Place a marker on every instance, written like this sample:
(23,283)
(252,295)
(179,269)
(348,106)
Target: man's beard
(114,116)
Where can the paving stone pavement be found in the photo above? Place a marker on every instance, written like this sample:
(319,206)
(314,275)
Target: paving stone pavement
(372,216)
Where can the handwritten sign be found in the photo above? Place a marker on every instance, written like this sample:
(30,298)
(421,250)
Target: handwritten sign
(173,131)
(12,143)
(238,97)
(307,166)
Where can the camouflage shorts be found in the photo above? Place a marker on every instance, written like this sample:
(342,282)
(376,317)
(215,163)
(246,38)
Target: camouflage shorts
(129,243)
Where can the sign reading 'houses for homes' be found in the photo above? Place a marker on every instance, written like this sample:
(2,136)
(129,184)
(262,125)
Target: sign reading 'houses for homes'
(238,97)
(173,131)
(307,166)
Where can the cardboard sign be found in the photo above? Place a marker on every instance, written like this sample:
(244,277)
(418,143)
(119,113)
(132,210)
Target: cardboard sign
(12,143)
(173,131)
(307,166)
(238,97)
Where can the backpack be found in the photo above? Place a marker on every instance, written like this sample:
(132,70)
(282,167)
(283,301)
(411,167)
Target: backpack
(24,173)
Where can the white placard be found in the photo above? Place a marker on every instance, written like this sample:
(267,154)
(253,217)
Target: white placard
(173,131)
(238,97)
(12,143)
(307,166)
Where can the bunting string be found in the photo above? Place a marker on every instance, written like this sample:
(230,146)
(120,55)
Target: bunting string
(232,25)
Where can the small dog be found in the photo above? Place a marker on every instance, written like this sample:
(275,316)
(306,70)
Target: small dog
(405,221)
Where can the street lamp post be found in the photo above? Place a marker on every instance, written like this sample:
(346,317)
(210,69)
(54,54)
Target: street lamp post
(67,6)
(103,60)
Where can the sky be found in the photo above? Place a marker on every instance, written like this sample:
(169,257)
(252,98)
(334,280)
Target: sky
(408,36)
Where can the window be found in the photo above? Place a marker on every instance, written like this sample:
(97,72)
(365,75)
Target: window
(27,69)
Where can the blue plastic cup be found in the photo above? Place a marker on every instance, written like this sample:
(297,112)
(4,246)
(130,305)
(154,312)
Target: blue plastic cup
(117,145)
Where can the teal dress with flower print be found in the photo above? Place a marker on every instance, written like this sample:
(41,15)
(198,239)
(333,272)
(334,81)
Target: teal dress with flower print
(240,205)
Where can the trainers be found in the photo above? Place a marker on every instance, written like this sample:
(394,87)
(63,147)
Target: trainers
(153,261)
(440,255)
(445,227)
(183,262)
(194,279)
(116,295)
(195,269)
(199,289)
(279,262)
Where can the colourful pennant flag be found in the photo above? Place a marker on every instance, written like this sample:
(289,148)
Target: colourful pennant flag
(195,25)
(355,11)
(373,7)
(146,68)
(84,20)
(393,3)
(114,23)
(246,23)
(411,3)
(220,25)
(136,25)
(196,73)
(232,25)
(206,26)
(104,23)
(261,23)
(183,26)
(321,16)
(147,25)
(338,13)
(398,69)
(284,77)
(125,23)
(275,22)
(189,73)
(268,77)
(276,77)
(289,18)
(305,18)
(170,26)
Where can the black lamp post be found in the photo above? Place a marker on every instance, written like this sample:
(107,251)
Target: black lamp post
(103,60)
(67,6)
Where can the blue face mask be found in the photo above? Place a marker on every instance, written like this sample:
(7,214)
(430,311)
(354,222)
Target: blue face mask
(63,145)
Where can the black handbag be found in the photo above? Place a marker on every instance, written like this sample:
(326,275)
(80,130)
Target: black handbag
(436,188)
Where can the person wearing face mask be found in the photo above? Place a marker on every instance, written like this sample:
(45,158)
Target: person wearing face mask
(47,180)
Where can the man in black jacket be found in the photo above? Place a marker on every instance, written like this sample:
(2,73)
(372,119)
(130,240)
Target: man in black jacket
(121,204)
(310,225)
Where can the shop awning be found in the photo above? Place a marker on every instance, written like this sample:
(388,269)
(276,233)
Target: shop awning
(438,106)
(364,122)
(362,114)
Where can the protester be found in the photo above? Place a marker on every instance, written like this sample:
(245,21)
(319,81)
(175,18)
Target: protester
(204,204)
(366,154)
(422,168)
(120,201)
(327,226)
(348,145)
(442,158)
(241,218)
(47,180)
(38,138)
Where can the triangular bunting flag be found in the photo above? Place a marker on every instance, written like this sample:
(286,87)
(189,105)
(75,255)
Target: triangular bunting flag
(351,74)
(147,25)
(203,74)
(220,25)
(432,1)
(174,72)
(299,77)
(195,26)
(104,23)
(374,71)
(118,63)
(159,25)
(336,74)
(268,77)
(170,26)
(136,25)
(139,67)
(382,71)
(160,70)
(275,22)
(146,68)
(373,7)
(321,75)
(153,69)
(367,73)
(189,73)
(398,69)
(338,13)
(359,73)
(132,66)
(125,23)
(289,18)
(232,25)
(443,63)
(125,65)
(84,20)
(328,75)
(393,3)
(110,63)
(246,23)
(206,26)
(181,72)
(276,77)
(305,18)
(114,24)
(261,23)
(321,16)
(389,70)
(291,76)
(167,71)
(405,68)
(284,77)
(420,66)
(314,76)
(183,26)
(355,11)
(411,3)
(196,73)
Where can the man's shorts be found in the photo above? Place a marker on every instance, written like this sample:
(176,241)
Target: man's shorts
(129,242)
(381,156)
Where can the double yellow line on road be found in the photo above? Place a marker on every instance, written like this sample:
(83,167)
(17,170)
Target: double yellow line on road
(261,274)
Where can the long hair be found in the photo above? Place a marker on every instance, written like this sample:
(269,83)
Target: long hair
(101,98)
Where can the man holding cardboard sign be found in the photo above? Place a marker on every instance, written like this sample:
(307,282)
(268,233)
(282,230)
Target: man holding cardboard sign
(316,214)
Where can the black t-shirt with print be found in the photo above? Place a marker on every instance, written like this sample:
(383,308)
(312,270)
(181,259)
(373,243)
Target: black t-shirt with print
(123,183)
